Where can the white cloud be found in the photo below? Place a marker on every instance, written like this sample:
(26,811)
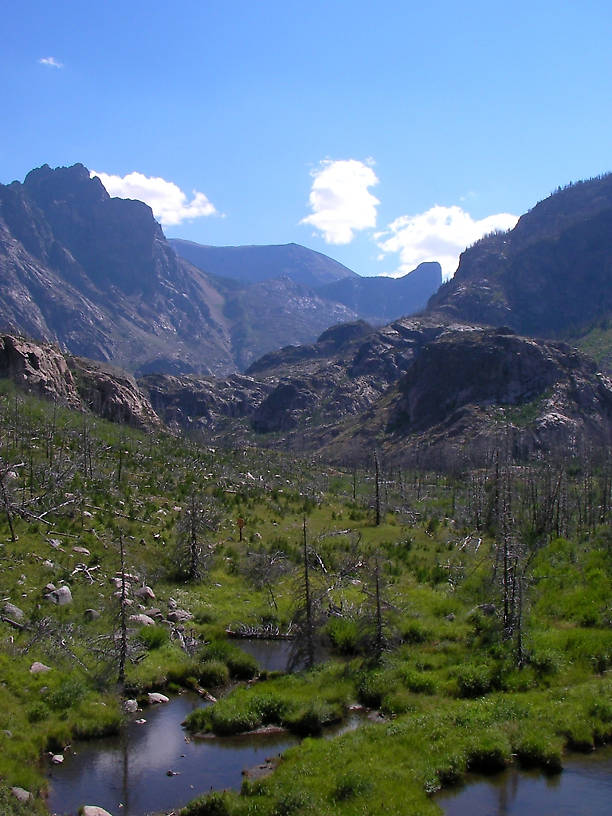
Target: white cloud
(439,234)
(51,62)
(340,200)
(168,202)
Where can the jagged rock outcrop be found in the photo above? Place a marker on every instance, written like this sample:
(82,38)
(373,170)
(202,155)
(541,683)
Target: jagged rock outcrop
(112,394)
(41,369)
(38,369)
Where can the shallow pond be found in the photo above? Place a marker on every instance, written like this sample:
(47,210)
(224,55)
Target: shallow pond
(584,788)
(127,774)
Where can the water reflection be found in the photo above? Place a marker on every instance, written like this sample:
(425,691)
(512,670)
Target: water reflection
(583,789)
(128,774)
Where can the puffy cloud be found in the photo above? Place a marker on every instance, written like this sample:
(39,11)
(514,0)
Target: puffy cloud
(51,62)
(168,202)
(439,234)
(340,200)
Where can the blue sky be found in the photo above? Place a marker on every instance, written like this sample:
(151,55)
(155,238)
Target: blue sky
(381,134)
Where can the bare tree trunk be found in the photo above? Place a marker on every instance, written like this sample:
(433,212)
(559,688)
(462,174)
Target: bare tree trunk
(122,620)
(310,656)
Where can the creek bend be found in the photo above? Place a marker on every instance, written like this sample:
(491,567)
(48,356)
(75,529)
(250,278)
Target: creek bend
(127,774)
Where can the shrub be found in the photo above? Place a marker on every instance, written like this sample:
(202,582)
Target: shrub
(473,680)
(418,682)
(536,749)
(153,637)
(67,694)
(242,666)
(349,785)
(37,712)
(213,673)
(214,804)
(344,635)
(373,687)
(414,632)
(491,752)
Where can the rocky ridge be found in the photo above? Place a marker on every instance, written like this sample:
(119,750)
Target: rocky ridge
(413,385)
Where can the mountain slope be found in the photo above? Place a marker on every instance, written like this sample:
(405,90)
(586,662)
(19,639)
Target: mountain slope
(551,276)
(96,275)
(253,264)
(380,300)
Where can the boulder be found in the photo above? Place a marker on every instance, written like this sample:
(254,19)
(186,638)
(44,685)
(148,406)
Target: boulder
(145,592)
(21,794)
(57,759)
(81,550)
(13,611)
(155,697)
(130,706)
(142,620)
(39,668)
(93,810)
(179,616)
(91,614)
(60,596)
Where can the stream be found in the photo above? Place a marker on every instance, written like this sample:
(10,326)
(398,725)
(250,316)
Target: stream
(584,788)
(127,774)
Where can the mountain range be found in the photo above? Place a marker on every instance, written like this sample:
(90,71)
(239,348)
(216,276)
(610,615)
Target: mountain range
(96,275)
(485,359)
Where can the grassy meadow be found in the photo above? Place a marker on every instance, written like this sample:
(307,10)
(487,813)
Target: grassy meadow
(473,620)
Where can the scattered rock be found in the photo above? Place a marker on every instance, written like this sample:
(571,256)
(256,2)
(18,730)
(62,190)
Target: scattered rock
(39,668)
(81,550)
(48,588)
(13,611)
(142,620)
(145,592)
(172,604)
(57,759)
(94,810)
(179,615)
(91,614)
(48,564)
(130,706)
(141,721)
(172,773)
(21,794)
(61,596)
(155,697)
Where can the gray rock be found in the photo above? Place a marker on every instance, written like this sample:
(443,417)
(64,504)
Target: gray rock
(39,668)
(145,592)
(81,550)
(142,620)
(155,697)
(21,794)
(94,810)
(179,615)
(130,706)
(60,596)
(13,611)
(91,614)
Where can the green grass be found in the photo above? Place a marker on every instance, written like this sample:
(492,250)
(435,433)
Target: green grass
(448,684)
